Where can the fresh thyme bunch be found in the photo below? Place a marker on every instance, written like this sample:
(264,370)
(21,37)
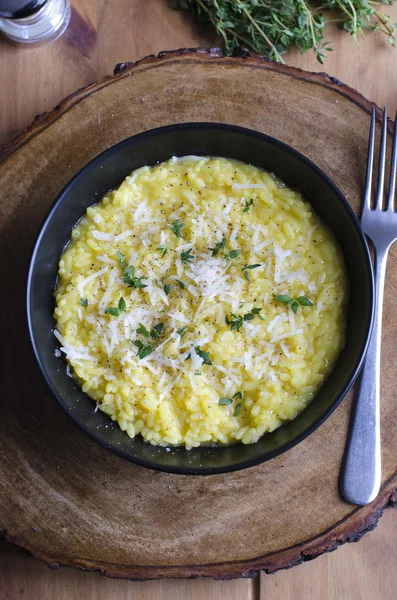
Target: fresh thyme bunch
(272,27)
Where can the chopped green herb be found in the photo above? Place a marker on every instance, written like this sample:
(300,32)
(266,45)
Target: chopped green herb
(115,312)
(239,396)
(158,283)
(135,282)
(129,271)
(225,401)
(176,227)
(121,305)
(249,317)
(121,258)
(233,254)
(246,275)
(167,288)
(204,355)
(228,401)
(84,302)
(254,313)
(181,331)
(143,331)
(247,268)
(284,298)
(248,205)
(112,310)
(143,350)
(180,283)
(293,302)
(303,301)
(153,334)
(220,247)
(198,372)
(163,250)
(235,321)
(237,410)
(186,256)
(157,331)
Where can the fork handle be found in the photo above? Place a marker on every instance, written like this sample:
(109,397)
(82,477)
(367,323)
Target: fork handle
(361,471)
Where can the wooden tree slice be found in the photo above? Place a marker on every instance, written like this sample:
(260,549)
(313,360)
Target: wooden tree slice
(70,502)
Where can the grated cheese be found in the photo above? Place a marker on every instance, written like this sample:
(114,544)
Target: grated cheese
(248,186)
(161,396)
(235,231)
(111,286)
(107,260)
(262,245)
(193,291)
(228,207)
(81,285)
(280,256)
(284,348)
(140,211)
(123,235)
(256,234)
(284,336)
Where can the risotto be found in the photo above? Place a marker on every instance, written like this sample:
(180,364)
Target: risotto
(201,302)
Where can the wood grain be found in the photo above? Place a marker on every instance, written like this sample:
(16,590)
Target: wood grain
(37,80)
(328,122)
(363,571)
(126,30)
(23,578)
(355,572)
(101,35)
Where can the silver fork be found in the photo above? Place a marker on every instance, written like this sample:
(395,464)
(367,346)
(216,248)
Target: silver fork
(361,471)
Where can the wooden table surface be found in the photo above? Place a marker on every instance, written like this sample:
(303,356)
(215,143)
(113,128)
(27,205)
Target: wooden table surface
(34,80)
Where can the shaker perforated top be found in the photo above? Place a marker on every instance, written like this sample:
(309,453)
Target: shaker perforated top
(18,9)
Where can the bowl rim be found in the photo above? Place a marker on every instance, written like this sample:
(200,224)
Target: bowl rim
(245,463)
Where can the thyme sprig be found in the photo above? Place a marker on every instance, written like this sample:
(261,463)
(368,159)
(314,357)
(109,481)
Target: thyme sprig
(293,302)
(272,27)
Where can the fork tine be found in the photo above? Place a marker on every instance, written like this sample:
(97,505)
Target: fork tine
(382,160)
(392,185)
(370,162)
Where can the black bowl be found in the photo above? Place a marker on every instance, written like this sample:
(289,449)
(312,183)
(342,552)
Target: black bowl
(107,171)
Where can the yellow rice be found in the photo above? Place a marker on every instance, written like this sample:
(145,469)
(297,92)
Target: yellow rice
(267,370)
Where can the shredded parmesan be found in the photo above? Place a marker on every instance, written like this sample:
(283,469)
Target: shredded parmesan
(273,323)
(262,245)
(280,256)
(107,260)
(81,285)
(228,207)
(248,186)
(123,235)
(103,237)
(284,336)
(105,300)
(284,348)
(233,237)
(141,209)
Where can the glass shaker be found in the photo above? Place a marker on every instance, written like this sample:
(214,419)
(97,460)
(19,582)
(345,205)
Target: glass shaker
(34,22)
